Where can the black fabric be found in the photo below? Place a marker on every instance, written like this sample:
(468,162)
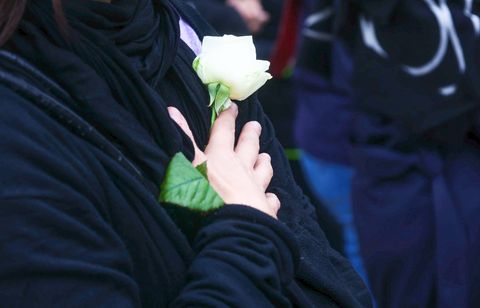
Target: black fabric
(311,46)
(81,167)
(416,86)
(224,18)
(416,63)
(92,69)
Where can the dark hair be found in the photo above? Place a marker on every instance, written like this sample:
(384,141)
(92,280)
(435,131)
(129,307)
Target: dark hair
(11,12)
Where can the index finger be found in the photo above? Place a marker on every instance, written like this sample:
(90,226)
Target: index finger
(178,117)
(223,130)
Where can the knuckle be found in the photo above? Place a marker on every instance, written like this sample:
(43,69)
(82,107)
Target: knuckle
(275,202)
(253,127)
(265,157)
(225,121)
(278,205)
(251,139)
(248,133)
(265,164)
(228,118)
(270,172)
(273,197)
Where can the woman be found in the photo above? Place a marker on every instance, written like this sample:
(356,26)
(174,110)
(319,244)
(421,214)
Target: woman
(416,149)
(85,138)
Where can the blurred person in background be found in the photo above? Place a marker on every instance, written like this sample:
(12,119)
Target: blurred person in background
(323,118)
(236,17)
(416,148)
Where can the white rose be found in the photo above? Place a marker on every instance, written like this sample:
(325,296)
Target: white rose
(232,61)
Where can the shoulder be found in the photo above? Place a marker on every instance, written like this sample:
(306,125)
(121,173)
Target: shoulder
(53,233)
(25,123)
(38,153)
(18,113)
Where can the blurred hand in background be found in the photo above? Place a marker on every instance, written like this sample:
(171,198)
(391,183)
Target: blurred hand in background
(252,12)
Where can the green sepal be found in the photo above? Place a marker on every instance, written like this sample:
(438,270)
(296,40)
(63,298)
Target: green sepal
(196,63)
(219,99)
(223,94)
(188,187)
(212,91)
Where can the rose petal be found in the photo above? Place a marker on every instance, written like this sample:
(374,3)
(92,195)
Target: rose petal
(231,60)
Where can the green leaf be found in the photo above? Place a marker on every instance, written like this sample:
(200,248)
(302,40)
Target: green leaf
(203,169)
(187,187)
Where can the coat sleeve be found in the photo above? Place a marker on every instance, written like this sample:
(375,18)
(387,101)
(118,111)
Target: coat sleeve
(244,259)
(59,247)
(56,247)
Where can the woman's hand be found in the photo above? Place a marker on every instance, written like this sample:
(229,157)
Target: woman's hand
(240,175)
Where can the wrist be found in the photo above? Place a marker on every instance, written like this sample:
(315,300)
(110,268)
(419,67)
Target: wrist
(240,220)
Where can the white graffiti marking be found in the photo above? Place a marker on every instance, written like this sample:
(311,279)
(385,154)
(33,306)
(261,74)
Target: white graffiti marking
(474,18)
(369,35)
(448,90)
(317,18)
(447,31)
(447,34)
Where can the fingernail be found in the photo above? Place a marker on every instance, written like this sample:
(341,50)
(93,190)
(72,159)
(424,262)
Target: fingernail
(257,127)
